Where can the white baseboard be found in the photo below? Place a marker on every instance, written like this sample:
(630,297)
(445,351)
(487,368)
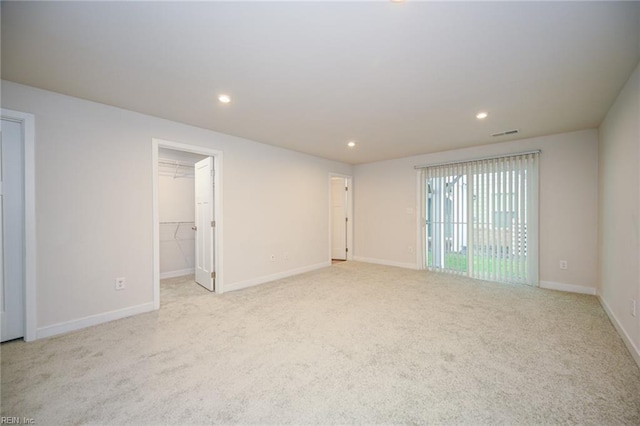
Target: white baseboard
(65,327)
(180,273)
(385,262)
(571,288)
(261,280)
(635,352)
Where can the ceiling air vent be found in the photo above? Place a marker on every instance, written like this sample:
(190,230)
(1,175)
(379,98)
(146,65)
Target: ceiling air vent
(506,132)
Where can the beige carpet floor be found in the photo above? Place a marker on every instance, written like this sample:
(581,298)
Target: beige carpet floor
(351,343)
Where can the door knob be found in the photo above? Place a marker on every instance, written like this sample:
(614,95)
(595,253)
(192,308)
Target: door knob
(195,228)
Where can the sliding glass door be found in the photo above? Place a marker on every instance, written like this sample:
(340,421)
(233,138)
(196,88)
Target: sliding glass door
(480,218)
(447,221)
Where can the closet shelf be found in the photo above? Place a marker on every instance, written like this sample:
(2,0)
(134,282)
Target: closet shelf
(175,168)
(176,223)
(176,240)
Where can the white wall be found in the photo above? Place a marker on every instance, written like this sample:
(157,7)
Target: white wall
(386,231)
(94,204)
(176,198)
(619,210)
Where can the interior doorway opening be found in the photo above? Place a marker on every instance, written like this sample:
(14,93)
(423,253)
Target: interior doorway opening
(340,218)
(12,229)
(17,219)
(177,212)
(187,216)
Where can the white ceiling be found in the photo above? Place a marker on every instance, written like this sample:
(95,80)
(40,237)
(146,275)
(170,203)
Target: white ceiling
(399,79)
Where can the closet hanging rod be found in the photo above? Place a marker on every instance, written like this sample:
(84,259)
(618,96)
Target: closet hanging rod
(168,162)
(175,223)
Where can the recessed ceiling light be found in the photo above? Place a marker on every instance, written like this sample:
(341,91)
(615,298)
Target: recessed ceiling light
(482,115)
(397,1)
(225,99)
(351,144)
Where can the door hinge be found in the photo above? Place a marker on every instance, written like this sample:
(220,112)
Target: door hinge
(346,188)
(213,275)
(213,223)
(346,219)
(347,249)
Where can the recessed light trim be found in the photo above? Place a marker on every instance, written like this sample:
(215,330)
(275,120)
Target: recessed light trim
(351,144)
(225,99)
(482,115)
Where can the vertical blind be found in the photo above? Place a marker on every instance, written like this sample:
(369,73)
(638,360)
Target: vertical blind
(481,218)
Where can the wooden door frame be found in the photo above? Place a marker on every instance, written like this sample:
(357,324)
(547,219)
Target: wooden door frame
(30,267)
(156,144)
(349,214)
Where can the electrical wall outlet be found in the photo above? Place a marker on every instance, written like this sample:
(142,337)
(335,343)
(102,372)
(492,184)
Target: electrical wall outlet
(120,283)
(564,264)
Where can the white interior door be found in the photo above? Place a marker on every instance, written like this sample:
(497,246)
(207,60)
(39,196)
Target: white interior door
(204,223)
(338,219)
(12,230)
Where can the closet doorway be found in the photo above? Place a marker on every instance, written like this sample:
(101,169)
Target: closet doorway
(187,215)
(340,214)
(12,230)
(17,226)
